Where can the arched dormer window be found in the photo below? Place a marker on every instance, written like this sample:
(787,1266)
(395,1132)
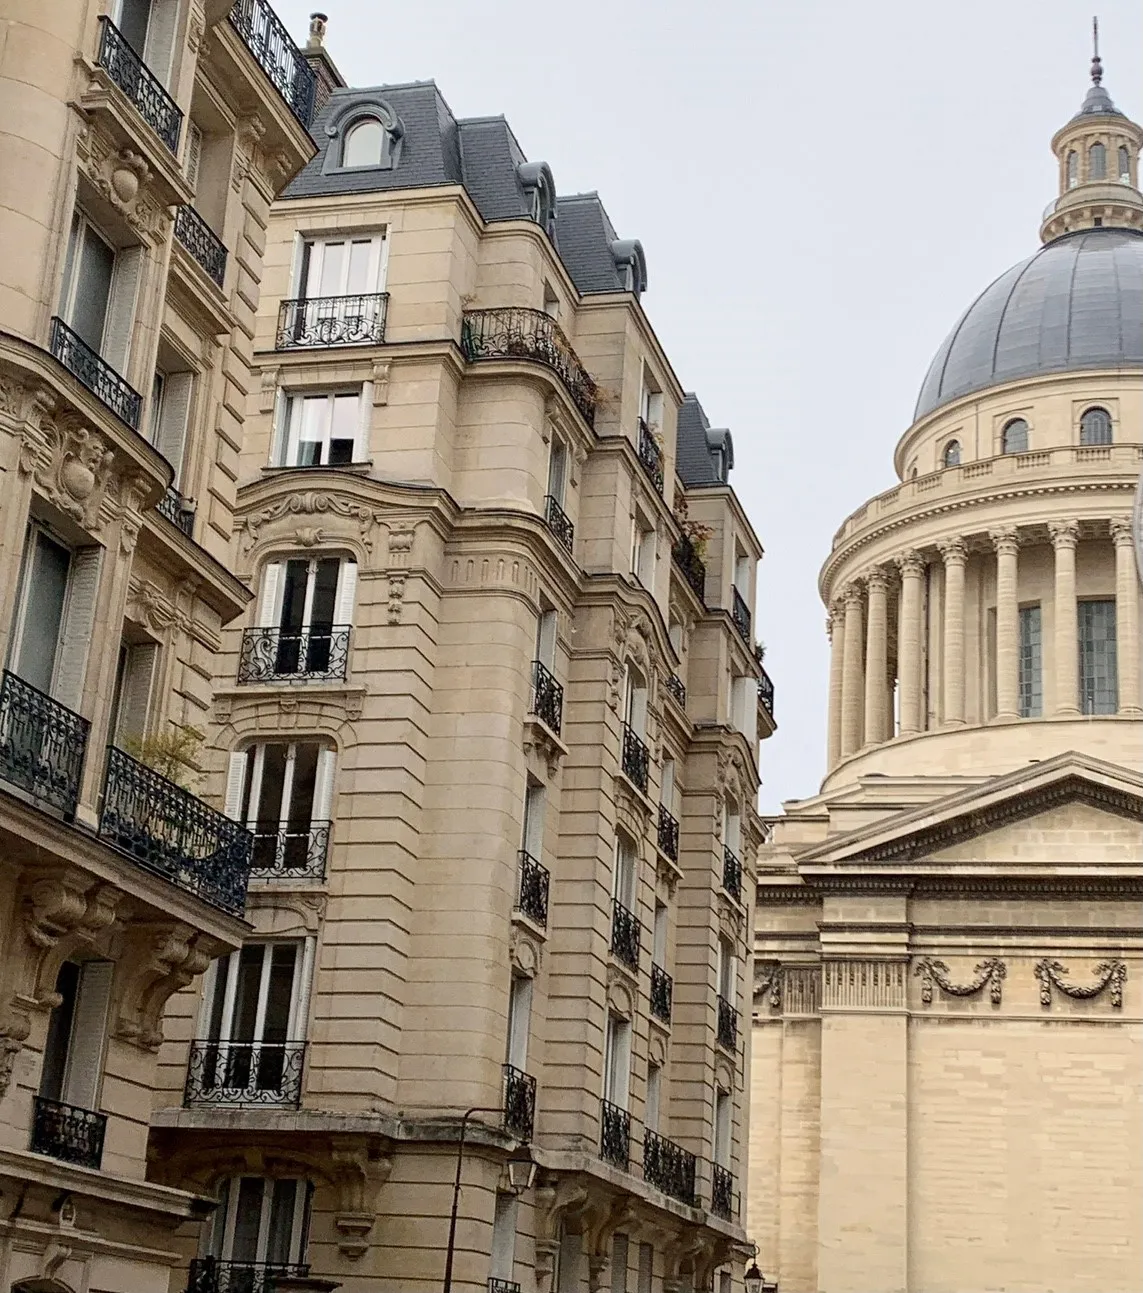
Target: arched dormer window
(631,265)
(1072,168)
(1097,162)
(1124,165)
(1095,427)
(1014,438)
(366,143)
(363,135)
(539,192)
(951,455)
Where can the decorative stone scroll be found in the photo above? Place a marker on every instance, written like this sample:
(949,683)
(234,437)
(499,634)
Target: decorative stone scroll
(990,972)
(1110,977)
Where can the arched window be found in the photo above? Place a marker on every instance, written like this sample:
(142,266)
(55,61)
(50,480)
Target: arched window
(364,143)
(1095,427)
(951,455)
(1072,169)
(1015,437)
(1097,162)
(1124,165)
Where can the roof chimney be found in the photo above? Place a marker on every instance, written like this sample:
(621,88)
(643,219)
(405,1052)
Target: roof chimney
(322,66)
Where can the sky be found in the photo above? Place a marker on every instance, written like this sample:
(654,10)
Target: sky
(820,186)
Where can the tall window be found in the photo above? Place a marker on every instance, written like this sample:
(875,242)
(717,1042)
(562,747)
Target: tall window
(77,1028)
(659,934)
(337,293)
(1031,663)
(744,706)
(519,1021)
(635,702)
(1072,169)
(1124,167)
(99,290)
(951,455)
(624,874)
(306,599)
(341,266)
(1098,680)
(619,1259)
(326,430)
(364,143)
(134,683)
(617,1061)
(282,791)
(723,1110)
(261,1222)
(727,971)
(504,1222)
(546,625)
(170,415)
(1095,426)
(654,1097)
(1097,162)
(1015,437)
(643,552)
(558,470)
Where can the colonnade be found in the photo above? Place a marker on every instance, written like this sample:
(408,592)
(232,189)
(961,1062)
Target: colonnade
(861,710)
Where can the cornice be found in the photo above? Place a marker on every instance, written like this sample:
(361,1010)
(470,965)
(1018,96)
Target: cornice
(815,883)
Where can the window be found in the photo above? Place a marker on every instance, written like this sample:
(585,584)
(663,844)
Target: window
(659,935)
(617,1061)
(1095,427)
(551,305)
(643,552)
(635,702)
(519,1021)
(77,1028)
(327,430)
(727,971)
(170,414)
(546,623)
(283,791)
(1031,663)
(366,143)
(619,1250)
(646,1267)
(654,1094)
(723,1110)
(732,828)
(533,834)
(951,455)
(192,154)
(306,599)
(558,470)
(1014,438)
(1124,159)
(742,574)
(341,267)
(1098,680)
(744,706)
(667,795)
(1097,162)
(149,28)
(624,875)
(1072,170)
(504,1221)
(651,403)
(131,701)
(261,1222)
(99,289)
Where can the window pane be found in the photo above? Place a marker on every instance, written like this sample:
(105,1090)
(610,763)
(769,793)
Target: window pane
(1031,663)
(311,433)
(363,144)
(1016,436)
(294,595)
(360,258)
(325,590)
(93,288)
(273,782)
(1099,689)
(280,993)
(302,796)
(133,21)
(331,282)
(1095,427)
(246,995)
(282,1203)
(47,576)
(1097,157)
(343,432)
(247,1223)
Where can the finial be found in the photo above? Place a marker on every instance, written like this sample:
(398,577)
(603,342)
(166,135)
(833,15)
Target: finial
(317,30)
(1096,65)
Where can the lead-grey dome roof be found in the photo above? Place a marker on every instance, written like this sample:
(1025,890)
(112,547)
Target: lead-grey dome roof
(1077,303)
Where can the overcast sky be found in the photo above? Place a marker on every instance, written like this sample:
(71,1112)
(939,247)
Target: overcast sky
(820,186)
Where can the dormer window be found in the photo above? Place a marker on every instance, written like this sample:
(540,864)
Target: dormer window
(363,136)
(539,192)
(1097,162)
(630,265)
(1072,169)
(366,143)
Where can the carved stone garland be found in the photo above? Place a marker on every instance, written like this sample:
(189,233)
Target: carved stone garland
(1108,975)
(991,972)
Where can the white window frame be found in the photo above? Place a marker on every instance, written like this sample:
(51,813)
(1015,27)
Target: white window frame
(309,264)
(625,873)
(219,1237)
(274,588)
(558,455)
(225,971)
(519,1021)
(617,1061)
(659,934)
(532,834)
(287,437)
(727,971)
(547,624)
(253,760)
(635,701)
(723,1130)
(653,1105)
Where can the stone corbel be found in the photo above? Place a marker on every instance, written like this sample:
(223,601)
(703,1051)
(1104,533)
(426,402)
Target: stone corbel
(604,1219)
(547,1250)
(544,744)
(380,382)
(269,388)
(359,1176)
(557,1200)
(158,960)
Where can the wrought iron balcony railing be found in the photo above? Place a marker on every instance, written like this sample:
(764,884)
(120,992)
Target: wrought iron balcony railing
(177,510)
(212,1275)
(139,84)
(320,322)
(732,874)
(766,692)
(626,935)
(239,1073)
(204,245)
(614,1134)
(558,523)
(690,566)
(289,852)
(42,744)
(677,689)
(650,455)
(547,697)
(90,370)
(721,1192)
(67,1133)
(514,332)
(503,1286)
(662,993)
(277,56)
(669,1167)
(668,834)
(273,654)
(532,882)
(519,1102)
(165,829)
(636,758)
(727,1025)
(740,614)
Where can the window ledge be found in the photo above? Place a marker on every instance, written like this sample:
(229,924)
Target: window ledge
(354,468)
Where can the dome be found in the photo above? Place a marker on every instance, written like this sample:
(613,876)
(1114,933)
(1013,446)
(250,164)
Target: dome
(1077,303)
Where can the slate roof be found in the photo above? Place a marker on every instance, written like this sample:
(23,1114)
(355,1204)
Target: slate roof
(696,445)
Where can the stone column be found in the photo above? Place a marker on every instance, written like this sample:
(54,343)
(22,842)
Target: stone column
(835,627)
(1126,615)
(876,657)
(852,678)
(955,556)
(1006,543)
(1065,539)
(909,636)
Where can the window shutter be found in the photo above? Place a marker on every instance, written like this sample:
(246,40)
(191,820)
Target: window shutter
(121,309)
(235,779)
(271,583)
(279,443)
(79,618)
(364,423)
(519,1021)
(160,44)
(135,703)
(619,1264)
(172,433)
(346,590)
(192,154)
(750,728)
(323,786)
(85,1047)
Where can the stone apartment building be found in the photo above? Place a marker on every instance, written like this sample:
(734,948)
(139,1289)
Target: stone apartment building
(141,143)
(492,718)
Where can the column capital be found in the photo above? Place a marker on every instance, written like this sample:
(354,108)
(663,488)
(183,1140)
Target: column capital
(877,578)
(954,552)
(1005,539)
(852,594)
(910,562)
(1122,531)
(1065,534)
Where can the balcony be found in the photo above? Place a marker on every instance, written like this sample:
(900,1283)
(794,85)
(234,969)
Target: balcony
(503,1286)
(614,1135)
(547,698)
(766,691)
(139,84)
(90,370)
(669,1167)
(324,322)
(727,1033)
(178,510)
(244,1073)
(676,689)
(67,1133)
(668,834)
(740,614)
(662,994)
(636,758)
(626,935)
(165,829)
(277,55)
(651,456)
(732,874)
(204,245)
(690,566)
(42,744)
(290,853)
(275,655)
(514,332)
(519,1102)
(558,523)
(532,882)
(210,1275)
(721,1192)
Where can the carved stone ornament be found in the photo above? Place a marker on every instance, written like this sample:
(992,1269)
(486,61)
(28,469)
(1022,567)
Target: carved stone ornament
(540,742)
(148,604)
(71,462)
(1110,977)
(312,503)
(121,176)
(991,972)
(359,1175)
(158,961)
(397,580)
(620,995)
(768,984)
(524,952)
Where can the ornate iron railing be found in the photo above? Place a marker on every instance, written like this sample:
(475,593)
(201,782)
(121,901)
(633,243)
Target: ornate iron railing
(740,614)
(690,566)
(662,993)
(42,744)
(766,692)
(519,1102)
(165,829)
(677,689)
(727,1024)
(547,697)
(204,245)
(271,654)
(732,874)
(614,1134)
(513,332)
(90,370)
(289,852)
(177,510)
(503,1286)
(669,1167)
(231,1073)
(636,757)
(139,84)
(650,455)
(68,1133)
(325,321)
(721,1192)
(532,885)
(276,54)
(558,522)
(626,935)
(211,1275)
(668,834)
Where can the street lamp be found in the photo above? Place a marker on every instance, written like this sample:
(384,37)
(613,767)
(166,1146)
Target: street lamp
(756,1282)
(521,1168)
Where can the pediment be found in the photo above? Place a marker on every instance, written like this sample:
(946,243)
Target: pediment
(1073,832)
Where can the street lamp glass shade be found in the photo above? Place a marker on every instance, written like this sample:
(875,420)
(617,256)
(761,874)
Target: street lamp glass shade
(521,1169)
(753,1279)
